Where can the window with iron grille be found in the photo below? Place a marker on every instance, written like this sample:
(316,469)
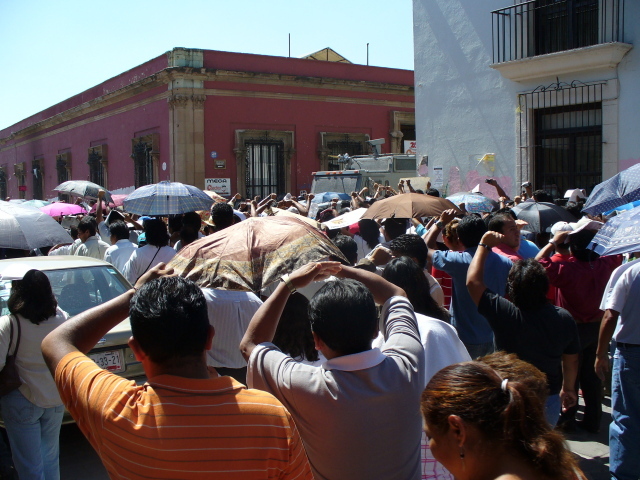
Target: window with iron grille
(3,183)
(63,166)
(563,25)
(37,171)
(264,167)
(349,145)
(143,163)
(96,162)
(564,142)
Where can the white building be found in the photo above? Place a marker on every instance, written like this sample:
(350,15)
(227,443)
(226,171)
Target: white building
(551,87)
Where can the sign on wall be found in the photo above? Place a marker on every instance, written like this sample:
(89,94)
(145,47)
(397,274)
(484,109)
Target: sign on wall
(410,147)
(221,186)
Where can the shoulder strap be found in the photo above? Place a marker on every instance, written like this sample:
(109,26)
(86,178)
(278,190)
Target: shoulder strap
(11,335)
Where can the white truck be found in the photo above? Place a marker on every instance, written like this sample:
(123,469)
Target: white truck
(365,171)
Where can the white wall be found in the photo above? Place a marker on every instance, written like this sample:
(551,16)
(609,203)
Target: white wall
(464,108)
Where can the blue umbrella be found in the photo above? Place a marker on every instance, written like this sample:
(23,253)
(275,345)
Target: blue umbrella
(328,196)
(474,202)
(167,198)
(621,234)
(620,189)
(622,208)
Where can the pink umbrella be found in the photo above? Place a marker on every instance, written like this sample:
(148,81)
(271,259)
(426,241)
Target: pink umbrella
(118,199)
(59,209)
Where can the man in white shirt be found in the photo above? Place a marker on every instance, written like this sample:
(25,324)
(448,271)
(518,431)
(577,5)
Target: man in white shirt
(359,413)
(229,312)
(91,246)
(621,322)
(121,249)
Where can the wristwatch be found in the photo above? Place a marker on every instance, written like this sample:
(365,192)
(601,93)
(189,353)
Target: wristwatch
(485,246)
(553,242)
(440,224)
(285,279)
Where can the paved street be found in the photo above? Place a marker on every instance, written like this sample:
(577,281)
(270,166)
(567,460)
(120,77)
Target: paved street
(79,461)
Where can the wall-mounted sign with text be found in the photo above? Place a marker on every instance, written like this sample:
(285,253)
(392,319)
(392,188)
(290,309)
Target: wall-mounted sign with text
(221,186)
(220,164)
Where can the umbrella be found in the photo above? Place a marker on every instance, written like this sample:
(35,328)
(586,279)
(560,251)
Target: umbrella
(82,188)
(118,199)
(252,254)
(620,234)
(214,196)
(622,208)
(474,202)
(35,203)
(323,197)
(541,215)
(286,213)
(622,188)
(27,228)
(346,219)
(59,209)
(167,198)
(409,205)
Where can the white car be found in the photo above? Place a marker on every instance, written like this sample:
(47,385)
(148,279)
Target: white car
(80,283)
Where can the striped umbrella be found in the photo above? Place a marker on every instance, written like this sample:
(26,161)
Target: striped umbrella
(167,198)
(252,254)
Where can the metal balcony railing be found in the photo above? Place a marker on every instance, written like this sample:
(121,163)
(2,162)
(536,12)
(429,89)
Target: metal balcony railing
(539,27)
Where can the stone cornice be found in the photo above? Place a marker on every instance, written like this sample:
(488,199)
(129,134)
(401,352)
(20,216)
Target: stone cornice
(213,75)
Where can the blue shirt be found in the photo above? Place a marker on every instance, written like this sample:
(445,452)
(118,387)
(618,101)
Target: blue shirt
(473,328)
(527,249)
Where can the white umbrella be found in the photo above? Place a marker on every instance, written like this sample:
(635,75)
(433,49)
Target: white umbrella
(84,189)
(27,228)
(345,220)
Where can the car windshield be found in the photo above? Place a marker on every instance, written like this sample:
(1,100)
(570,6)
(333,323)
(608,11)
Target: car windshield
(77,289)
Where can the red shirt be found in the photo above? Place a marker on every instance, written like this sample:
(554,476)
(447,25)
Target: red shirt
(581,285)
(506,251)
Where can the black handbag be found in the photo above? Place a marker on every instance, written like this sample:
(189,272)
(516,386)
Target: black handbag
(9,377)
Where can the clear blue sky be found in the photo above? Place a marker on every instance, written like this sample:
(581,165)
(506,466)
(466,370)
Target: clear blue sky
(51,50)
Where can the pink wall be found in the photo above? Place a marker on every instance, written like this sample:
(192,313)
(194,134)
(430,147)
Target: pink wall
(115,131)
(136,74)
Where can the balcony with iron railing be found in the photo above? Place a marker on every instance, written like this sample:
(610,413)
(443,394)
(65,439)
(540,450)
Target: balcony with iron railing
(543,38)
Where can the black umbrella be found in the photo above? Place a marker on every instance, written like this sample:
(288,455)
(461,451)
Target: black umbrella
(542,215)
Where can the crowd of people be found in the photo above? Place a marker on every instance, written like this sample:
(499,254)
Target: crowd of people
(445,347)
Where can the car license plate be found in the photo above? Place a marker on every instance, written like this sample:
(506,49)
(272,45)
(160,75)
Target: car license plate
(111,360)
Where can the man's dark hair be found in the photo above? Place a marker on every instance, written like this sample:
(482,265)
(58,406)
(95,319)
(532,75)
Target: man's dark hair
(156,232)
(88,223)
(579,245)
(574,209)
(175,223)
(420,191)
(369,231)
(406,274)
(433,192)
(119,230)
(343,314)
(347,246)
(527,284)
(542,196)
(496,224)
(411,245)
(222,215)
(73,231)
(470,230)
(169,320)
(395,227)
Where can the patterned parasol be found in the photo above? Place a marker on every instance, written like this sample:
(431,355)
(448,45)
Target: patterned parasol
(253,254)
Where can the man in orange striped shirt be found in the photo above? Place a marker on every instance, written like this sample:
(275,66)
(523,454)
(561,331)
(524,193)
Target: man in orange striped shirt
(186,421)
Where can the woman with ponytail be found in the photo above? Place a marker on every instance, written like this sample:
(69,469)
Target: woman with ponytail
(483,425)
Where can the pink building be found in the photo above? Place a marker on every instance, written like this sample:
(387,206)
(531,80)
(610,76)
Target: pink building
(226,121)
